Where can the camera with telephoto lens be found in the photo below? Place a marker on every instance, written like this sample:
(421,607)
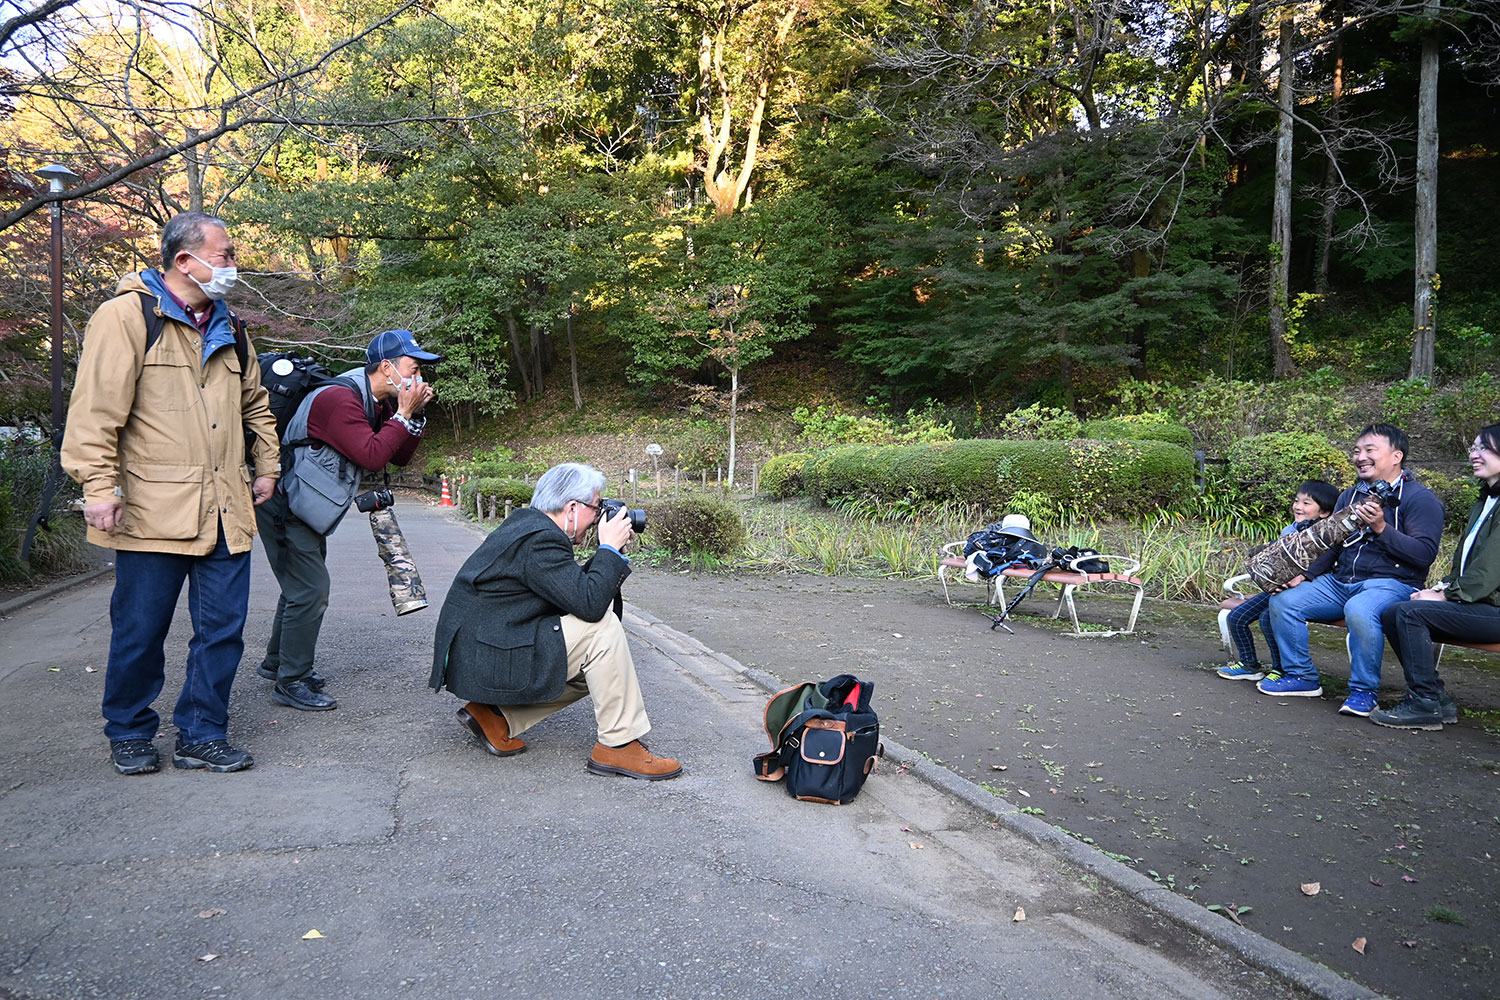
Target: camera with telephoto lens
(374,500)
(608,508)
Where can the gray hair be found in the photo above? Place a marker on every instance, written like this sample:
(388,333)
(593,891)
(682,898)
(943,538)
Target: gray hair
(184,232)
(568,481)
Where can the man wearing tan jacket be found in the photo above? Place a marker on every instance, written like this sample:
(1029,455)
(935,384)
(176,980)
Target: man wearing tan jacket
(156,436)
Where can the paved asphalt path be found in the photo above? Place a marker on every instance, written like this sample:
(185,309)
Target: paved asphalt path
(434,870)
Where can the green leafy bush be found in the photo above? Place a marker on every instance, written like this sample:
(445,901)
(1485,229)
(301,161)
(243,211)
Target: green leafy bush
(1038,422)
(1461,411)
(781,476)
(502,488)
(827,426)
(1266,469)
(1219,411)
(1094,478)
(696,524)
(1459,493)
(1138,427)
(1405,399)
(24,468)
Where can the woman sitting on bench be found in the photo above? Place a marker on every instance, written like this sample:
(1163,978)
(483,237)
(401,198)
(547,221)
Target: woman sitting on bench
(1464,607)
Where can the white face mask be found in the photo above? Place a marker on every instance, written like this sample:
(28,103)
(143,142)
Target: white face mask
(407,381)
(221,284)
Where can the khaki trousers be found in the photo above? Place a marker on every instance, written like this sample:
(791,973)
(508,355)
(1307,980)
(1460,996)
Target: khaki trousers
(599,666)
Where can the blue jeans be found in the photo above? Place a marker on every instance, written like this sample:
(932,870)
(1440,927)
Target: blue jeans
(1255,608)
(140,614)
(1326,600)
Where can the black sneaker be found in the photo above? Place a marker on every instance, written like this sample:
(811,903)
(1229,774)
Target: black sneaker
(134,756)
(1410,713)
(216,755)
(314,679)
(301,695)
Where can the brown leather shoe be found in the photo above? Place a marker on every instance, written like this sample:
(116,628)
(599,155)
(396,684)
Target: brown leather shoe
(632,760)
(491,729)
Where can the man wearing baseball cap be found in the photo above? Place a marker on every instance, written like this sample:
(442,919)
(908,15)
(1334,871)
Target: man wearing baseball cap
(365,419)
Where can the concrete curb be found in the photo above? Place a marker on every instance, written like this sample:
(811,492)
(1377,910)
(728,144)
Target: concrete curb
(12,606)
(1253,948)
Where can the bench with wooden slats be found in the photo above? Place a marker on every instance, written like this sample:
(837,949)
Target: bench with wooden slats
(951,569)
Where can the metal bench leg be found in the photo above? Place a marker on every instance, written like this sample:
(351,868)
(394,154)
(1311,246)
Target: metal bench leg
(1135,608)
(1065,597)
(1072,611)
(1224,627)
(943,579)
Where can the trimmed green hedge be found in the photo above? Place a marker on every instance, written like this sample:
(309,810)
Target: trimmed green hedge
(1095,478)
(781,476)
(1124,429)
(517,491)
(1266,469)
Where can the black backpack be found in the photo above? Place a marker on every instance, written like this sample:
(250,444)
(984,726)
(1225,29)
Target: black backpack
(825,739)
(289,379)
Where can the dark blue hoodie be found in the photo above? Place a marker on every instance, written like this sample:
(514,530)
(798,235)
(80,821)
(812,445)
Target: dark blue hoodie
(1403,551)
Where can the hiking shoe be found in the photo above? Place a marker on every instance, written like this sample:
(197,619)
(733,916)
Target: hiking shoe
(1274,675)
(1290,687)
(1360,703)
(216,755)
(1410,713)
(1449,707)
(301,695)
(313,680)
(134,756)
(1236,672)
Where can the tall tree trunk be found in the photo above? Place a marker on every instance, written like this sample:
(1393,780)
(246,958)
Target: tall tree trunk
(1281,212)
(522,368)
(1333,126)
(194,173)
(1423,333)
(573,364)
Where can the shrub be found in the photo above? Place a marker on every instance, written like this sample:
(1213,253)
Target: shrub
(826,427)
(781,476)
(1219,411)
(1138,427)
(1266,469)
(1038,422)
(1114,479)
(1460,412)
(696,524)
(1459,494)
(1405,399)
(517,491)
(24,467)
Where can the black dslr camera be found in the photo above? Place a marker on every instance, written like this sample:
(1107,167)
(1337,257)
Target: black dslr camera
(1387,494)
(374,500)
(608,508)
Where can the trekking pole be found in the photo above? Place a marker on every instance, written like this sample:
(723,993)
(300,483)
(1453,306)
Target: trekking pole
(999,620)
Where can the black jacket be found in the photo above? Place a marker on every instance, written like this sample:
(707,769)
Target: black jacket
(499,639)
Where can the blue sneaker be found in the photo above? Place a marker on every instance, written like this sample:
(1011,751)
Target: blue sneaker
(1360,703)
(1236,672)
(1290,687)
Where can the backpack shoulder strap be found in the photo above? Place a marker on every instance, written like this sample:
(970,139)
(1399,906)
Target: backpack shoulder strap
(155,321)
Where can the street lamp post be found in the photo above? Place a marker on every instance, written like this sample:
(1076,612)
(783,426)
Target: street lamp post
(58,178)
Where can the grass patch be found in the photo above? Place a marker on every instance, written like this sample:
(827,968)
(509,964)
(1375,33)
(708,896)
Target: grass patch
(1443,915)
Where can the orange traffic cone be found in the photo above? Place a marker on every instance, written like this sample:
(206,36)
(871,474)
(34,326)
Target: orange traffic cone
(446,501)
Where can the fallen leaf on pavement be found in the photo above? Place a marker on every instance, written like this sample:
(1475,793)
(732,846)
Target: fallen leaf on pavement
(906,829)
(1311,888)
(207,958)
(1407,878)
(312,934)
(1359,945)
(999,767)
(54,670)
(1024,792)
(1020,915)
(1410,944)
(215,912)
(897,635)
(91,670)
(1375,881)
(914,845)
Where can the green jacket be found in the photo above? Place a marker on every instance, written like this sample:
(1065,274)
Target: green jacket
(1480,582)
(499,637)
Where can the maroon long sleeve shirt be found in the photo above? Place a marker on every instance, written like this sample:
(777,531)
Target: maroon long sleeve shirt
(337,417)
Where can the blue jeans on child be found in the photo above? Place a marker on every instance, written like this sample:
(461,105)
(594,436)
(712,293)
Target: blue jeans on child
(1326,599)
(140,614)
(1239,619)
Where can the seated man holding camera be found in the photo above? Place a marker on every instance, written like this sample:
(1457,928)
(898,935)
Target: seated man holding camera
(1383,563)
(526,631)
(369,418)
